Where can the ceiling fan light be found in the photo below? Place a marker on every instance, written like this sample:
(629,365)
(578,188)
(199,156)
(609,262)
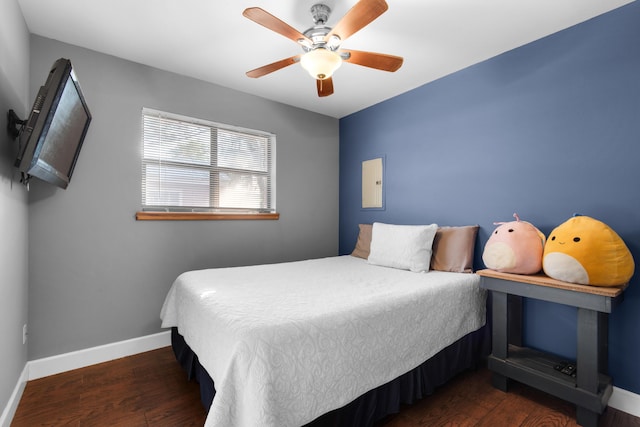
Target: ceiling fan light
(320,63)
(334,41)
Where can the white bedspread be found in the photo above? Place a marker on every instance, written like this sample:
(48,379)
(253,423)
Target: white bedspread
(286,343)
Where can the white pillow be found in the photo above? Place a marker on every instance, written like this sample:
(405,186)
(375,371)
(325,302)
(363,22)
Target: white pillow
(407,247)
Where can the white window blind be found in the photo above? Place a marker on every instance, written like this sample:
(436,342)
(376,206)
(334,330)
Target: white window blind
(199,166)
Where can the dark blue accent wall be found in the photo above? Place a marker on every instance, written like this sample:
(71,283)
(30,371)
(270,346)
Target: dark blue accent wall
(545,130)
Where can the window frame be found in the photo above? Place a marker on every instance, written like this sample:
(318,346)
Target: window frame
(213,211)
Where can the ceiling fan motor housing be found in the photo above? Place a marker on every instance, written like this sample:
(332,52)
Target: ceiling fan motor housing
(320,13)
(317,34)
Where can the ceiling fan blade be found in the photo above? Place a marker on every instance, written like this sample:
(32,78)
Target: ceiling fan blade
(379,61)
(275,66)
(325,87)
(269,21)
(359,16)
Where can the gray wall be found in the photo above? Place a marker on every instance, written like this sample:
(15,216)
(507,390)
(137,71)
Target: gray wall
(99,276)
(14,71)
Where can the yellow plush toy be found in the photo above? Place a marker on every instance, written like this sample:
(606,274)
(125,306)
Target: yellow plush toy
(586,251)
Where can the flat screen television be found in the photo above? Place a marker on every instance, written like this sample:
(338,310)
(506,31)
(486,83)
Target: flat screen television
(52,136)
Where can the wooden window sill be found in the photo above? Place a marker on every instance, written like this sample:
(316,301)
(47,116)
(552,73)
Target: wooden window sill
(203,216)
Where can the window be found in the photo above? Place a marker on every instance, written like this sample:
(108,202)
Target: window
(191,165)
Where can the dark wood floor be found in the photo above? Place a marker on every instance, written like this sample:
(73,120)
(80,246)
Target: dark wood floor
(150,389)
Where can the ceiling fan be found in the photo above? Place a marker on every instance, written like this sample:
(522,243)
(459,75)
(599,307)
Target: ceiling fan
(321,44)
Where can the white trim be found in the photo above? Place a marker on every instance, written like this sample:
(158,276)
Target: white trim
(625,401)
(79,359)
(14,400)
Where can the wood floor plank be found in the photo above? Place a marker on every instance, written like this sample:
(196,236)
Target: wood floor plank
(53,388)
(150,389)
(39,412)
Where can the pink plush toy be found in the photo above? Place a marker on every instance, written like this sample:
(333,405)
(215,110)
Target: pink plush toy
(514,247)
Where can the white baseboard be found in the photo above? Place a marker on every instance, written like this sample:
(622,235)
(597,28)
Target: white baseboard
(12,404)
(79,359)
(625,401)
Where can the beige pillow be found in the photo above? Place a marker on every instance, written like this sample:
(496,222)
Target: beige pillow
(363,245)
(453,249)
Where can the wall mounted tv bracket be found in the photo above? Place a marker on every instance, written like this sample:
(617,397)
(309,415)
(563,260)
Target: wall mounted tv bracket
(12,124)
(15,125)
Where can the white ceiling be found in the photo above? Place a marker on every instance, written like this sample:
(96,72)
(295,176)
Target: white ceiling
(211,40)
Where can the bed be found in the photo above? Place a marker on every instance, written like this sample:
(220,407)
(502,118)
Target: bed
(331,341)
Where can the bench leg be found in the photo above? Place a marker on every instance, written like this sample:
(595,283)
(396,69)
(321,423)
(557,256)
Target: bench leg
(586,418)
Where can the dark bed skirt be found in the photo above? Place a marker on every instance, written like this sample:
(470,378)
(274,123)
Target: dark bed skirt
(377,403)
